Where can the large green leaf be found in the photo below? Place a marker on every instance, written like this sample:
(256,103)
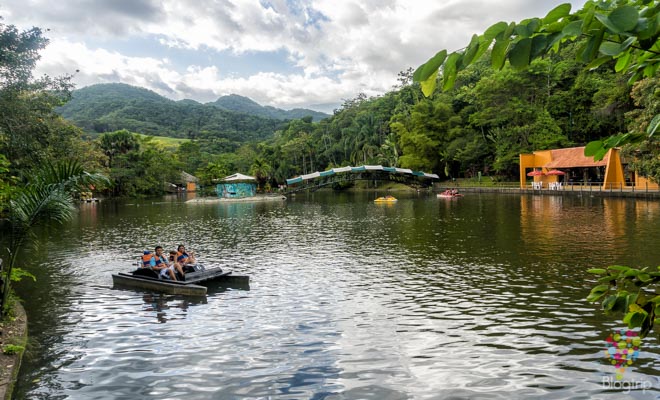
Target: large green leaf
(520,53)
(573,29)
(624,18)
(450,69)
(470,51)
(600,154)
(605,20)
(498,55)
(508,31)
(523,30)
(610,48)
(590,49)
(599,271)
(494,30)
(483,47)
(424,71)
(614,49)
(592,147)
(623,61)
(556,13)
(539,43)
(428,85)
(609,302)
(598,62)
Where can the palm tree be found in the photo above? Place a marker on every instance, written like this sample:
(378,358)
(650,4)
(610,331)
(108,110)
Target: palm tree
(48,197)
(261,171)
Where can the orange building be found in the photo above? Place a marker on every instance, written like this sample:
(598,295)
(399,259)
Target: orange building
(570,165)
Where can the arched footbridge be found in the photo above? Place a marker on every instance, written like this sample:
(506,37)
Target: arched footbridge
(318,180)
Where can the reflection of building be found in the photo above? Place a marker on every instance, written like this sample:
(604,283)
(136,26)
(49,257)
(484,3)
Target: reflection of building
(237,186)
(572,166)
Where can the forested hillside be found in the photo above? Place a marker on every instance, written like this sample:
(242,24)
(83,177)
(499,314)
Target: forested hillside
(234,102)
(110,107)
(481,125)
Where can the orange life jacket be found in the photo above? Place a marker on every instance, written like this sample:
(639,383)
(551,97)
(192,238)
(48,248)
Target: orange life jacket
(146,259)
(181,257)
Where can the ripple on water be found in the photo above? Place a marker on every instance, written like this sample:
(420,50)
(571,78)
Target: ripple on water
(425,299)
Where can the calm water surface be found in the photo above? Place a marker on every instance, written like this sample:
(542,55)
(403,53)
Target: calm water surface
(478,297)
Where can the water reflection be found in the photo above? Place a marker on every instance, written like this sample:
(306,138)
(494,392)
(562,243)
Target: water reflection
(160,304)
(477,298)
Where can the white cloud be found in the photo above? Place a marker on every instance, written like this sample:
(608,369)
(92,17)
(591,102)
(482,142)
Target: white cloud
(342,47)
(199,83)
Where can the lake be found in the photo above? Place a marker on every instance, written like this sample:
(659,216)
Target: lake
(477,297)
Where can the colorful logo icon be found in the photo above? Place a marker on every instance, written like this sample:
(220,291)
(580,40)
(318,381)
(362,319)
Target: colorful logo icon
(622,349)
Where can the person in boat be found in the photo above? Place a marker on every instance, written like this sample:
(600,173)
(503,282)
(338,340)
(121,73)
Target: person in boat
(177,265)
(183,257)
(159,264)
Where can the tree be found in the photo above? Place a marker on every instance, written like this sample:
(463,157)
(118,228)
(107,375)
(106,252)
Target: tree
(623,33)
(116,143)
(48,197)
(30,130)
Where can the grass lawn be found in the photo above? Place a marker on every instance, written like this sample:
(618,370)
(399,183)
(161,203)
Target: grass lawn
(166,142)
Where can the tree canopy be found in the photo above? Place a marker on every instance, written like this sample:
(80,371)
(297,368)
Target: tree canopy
(622,33)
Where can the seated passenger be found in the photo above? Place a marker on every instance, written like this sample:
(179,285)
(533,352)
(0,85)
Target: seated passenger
(174,263)
(160,265)
(183,257)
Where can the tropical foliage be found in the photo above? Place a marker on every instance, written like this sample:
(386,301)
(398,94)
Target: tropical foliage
(48,197)
(621,34)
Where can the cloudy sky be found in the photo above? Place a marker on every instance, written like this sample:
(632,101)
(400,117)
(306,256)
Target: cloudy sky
(284,53)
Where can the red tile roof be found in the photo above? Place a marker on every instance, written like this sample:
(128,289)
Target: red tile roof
(574,157)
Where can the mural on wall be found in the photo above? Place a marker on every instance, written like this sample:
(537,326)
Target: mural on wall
(236,190)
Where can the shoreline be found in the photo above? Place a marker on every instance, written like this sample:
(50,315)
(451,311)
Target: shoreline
(14,332)
(653,195)
(211,200)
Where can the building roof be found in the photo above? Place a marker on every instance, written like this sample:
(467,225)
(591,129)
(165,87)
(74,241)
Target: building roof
(238,177)
(574,157)
(186,177)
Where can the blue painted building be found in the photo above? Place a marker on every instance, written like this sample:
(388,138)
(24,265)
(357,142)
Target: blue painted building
(237,186)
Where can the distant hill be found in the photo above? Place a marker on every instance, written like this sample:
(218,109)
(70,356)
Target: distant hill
(110,107)
(234,102)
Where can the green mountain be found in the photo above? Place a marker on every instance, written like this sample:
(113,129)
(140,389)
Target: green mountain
(234,102)
(114,106)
